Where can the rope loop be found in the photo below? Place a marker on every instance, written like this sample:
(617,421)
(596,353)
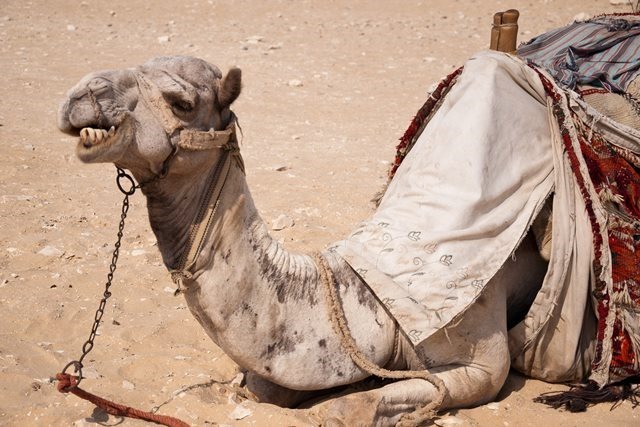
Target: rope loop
(339,323)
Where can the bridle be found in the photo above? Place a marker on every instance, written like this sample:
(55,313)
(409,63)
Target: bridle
(194,140)
(201,227)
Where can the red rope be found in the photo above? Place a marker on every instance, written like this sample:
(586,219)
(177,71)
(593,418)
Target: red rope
(68,384)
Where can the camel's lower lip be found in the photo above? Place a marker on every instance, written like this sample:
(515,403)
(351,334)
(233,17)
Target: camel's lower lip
(90,137)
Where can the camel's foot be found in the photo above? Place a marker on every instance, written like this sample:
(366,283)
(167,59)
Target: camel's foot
(368,408)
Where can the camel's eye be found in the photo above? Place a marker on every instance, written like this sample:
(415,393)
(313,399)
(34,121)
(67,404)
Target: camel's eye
(181,107)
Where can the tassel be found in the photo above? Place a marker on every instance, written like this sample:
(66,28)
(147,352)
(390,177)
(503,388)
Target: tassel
(579,397)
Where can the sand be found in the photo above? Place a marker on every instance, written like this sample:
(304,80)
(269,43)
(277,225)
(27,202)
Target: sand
(329,87)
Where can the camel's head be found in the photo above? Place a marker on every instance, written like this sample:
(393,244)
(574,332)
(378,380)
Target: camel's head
(133,117)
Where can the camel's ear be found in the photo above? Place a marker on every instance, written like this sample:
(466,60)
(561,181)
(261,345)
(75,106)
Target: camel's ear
(230,87)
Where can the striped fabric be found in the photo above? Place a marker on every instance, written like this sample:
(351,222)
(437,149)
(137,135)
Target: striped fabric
(602,52)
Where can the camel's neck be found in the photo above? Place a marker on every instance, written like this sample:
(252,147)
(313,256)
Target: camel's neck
(173,204)
(262,305)
(238,231)
(290,276)
(240,265)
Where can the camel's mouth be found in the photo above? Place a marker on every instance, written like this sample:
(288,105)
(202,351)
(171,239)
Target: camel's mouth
(90,137)
(101,145)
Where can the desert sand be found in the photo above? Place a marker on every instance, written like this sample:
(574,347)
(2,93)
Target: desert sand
(329,87)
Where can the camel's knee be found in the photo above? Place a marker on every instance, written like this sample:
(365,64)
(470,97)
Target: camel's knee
(491,382)
(475,384)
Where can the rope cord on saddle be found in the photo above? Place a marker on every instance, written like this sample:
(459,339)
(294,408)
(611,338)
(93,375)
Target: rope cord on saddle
(336,314)
(68,383)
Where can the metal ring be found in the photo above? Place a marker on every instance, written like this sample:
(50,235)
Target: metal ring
(77,370)
(77,365)
(122,174)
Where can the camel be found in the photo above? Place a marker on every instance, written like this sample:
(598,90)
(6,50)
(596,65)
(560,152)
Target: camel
(169,123)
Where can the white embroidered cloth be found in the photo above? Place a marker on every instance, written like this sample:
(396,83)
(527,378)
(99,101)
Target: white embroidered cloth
(460,204)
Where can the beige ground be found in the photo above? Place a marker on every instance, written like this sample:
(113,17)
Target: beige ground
(329,87)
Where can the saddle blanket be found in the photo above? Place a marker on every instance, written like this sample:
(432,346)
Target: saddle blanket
(488,152)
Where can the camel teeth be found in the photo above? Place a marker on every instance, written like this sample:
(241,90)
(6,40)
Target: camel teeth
(102,135)
(92,134)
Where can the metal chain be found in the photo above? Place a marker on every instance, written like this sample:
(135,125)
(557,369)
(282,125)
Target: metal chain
(122,179)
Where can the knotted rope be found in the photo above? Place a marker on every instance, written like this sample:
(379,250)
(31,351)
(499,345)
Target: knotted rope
(68,384)
(336,313)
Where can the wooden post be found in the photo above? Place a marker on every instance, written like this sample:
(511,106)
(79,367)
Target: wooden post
(504,31)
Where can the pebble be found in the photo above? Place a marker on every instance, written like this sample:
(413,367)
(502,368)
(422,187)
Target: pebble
(619,2)
(138,252)
(179,357)
(169,289)
(254,39)
(71,27)
(282,222)
(448,421)
(240,413)
(127,385)
(164,39)
(295,83)
(50,251)
(494,406)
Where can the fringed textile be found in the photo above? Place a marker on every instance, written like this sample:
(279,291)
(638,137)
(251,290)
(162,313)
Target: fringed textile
(580,397)
(616,180)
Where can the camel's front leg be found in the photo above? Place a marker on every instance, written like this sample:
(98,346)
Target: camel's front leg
(473,362)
